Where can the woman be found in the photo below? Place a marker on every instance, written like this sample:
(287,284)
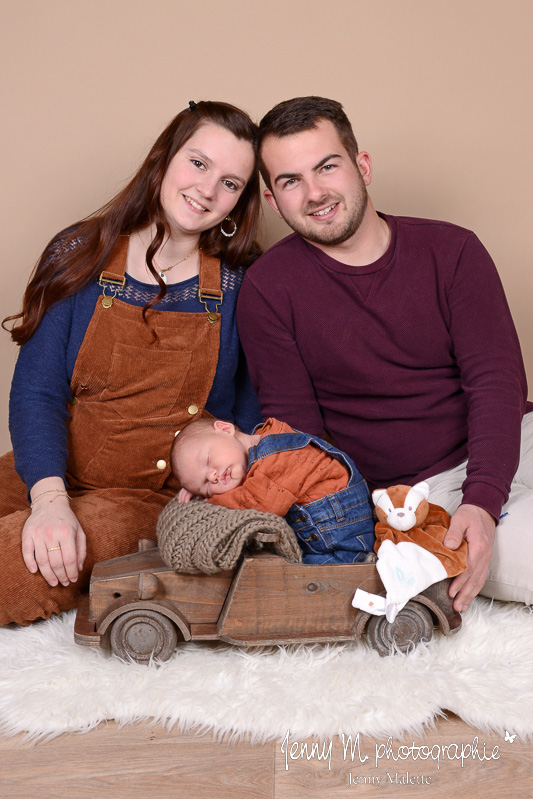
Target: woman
(127,332)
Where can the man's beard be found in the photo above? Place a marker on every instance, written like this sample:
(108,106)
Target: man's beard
(330,234)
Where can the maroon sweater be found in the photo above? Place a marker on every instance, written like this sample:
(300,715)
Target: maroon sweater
(412,363)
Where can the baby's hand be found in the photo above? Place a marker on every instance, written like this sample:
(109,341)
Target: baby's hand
(184,495)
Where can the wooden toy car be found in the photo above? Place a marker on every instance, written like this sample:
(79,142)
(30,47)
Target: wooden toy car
(140,608)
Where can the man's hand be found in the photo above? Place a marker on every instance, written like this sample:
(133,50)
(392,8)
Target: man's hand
(477,527)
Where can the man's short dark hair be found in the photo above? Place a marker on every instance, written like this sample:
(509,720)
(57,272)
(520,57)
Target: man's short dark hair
(303,113)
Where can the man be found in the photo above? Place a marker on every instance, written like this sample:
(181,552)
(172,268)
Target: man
(395,336)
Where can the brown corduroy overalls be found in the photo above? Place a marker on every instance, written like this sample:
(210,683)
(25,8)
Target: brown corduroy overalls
(130,396)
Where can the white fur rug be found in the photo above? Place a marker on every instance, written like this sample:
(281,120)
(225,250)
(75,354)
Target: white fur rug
(484,674)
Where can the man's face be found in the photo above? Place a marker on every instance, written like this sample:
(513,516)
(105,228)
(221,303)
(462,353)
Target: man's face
(316,187)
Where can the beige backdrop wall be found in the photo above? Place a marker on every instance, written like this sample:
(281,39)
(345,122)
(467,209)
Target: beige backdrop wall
(439,94)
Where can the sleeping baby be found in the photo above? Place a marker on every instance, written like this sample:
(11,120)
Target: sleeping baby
(315,486)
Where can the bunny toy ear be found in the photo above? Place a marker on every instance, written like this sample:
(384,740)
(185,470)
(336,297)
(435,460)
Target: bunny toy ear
(422,488)
(416,494)
(377,494)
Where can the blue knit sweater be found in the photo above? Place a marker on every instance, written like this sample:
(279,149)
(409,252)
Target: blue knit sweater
(40,390)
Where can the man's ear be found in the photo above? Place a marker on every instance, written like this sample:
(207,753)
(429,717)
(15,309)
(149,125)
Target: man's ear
(269,197)
(364,164)
(224,427)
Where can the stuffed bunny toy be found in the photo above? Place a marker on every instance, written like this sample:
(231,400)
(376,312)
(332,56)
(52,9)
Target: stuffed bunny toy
(410,536)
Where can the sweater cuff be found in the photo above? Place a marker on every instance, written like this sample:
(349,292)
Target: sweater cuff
(485,496)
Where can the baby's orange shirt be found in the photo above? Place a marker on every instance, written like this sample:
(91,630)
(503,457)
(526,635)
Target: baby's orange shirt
(278,481)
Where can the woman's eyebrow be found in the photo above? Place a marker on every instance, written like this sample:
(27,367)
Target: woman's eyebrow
(202,156)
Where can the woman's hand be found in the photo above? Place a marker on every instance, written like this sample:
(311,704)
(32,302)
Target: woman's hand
(53,540)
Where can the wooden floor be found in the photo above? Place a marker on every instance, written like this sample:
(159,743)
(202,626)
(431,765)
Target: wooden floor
(144,761)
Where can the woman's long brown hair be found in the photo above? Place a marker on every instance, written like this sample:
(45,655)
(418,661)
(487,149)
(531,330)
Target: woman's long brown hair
(78,255)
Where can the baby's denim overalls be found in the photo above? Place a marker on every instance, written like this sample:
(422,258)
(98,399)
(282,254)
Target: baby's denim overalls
(338,528)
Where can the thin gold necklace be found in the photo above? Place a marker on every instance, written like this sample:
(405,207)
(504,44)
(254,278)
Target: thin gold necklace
(167,268)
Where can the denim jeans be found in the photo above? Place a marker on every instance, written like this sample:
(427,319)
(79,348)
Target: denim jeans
(339,528)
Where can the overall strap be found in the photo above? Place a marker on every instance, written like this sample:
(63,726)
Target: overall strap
(114,277)
(209,286)
(209,277)
(274,443)
(116,265)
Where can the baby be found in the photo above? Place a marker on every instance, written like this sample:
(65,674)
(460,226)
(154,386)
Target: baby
(315,486)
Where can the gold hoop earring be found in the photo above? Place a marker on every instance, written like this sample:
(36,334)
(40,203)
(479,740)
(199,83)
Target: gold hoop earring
(233,232)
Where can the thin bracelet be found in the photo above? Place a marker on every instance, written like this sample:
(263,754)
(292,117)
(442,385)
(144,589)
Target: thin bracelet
(57,491)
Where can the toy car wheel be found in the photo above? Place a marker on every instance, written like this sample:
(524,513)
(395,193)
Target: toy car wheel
(412,624)
(143,634)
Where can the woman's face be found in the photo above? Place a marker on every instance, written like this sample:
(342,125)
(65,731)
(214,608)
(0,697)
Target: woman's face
(205,179)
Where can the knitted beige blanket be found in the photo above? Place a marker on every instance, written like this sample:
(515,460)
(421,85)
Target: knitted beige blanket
(199,537)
